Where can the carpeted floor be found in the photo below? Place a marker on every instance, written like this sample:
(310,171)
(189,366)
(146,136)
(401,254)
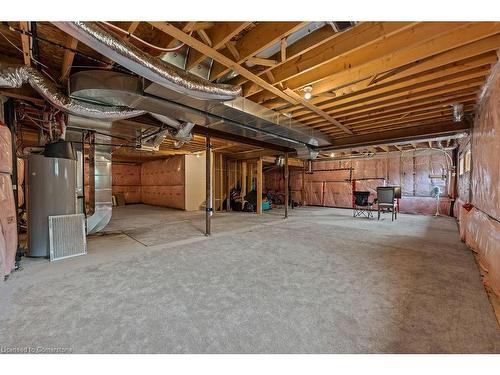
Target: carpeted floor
(319,282)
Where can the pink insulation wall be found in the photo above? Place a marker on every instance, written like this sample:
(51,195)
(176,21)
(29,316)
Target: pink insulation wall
(126,179)
(480,226)
(162,182)
(417,172)
(158,182)
(8,217)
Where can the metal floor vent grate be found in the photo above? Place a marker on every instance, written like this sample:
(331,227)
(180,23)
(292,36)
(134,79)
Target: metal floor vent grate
(67,236)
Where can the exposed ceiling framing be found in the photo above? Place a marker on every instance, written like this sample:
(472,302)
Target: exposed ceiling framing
(372,82)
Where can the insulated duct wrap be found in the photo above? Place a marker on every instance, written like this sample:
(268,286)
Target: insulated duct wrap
(152,68)
(16,76)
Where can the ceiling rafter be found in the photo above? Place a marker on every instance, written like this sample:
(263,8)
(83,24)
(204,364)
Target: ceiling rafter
(217,56)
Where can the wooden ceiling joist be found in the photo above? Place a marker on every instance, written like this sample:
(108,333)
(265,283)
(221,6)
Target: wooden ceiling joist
(220,34)
(69,55)
(218,56)
(25,43)
(318,111)
(263,36)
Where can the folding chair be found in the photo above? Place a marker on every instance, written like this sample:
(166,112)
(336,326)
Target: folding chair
(386,201)
(361,206)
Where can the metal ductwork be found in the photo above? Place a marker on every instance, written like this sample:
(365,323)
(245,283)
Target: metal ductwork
(100,193)
(240,116)
(15,76)
(152,68)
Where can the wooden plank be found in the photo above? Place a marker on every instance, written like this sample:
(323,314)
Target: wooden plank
(283,49)
(244,179)
(210,52)
(398,135)
(467,34)
(261,61)
(349,105)
(363,35)
(25,43)
(315,109)
(220,35)
(197,26)
(263,36)
(303,45)
(259,186)
(68,57)
(204,37)
(437,74)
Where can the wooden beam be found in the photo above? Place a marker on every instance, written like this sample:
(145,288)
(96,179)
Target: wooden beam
(214,54)
(263,36)
(315,109)
(283,49)
(243,178)
(398,135)
(25,43)
(469,33)
(232,48)
(439,75)
(252,154)
(204,37)
(300,47)
(261,61)
(360,36)
(197,26)
(220,35)
(259,186)
(68,57)
(131,29)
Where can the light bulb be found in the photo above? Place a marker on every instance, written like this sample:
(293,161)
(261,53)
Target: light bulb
(307,96)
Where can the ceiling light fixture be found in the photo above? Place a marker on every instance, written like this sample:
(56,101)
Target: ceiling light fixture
(307,92)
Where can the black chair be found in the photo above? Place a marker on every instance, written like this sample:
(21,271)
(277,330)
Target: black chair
(362,207)
(386,196)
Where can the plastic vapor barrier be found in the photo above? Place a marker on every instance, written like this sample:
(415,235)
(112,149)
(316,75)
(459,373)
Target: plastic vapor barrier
(8,225)
(163,182)
(5,150)
(417,172)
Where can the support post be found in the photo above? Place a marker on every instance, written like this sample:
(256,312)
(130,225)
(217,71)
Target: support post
(303,186)
(226,171)
(287,193)
(208,178)
(259,186)
(243,179)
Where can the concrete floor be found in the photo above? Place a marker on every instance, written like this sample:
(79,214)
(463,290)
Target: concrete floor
(319,282)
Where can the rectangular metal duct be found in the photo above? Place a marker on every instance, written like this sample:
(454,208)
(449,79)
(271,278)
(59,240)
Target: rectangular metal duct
(67,236)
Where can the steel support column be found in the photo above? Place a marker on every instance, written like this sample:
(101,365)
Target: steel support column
(208,178)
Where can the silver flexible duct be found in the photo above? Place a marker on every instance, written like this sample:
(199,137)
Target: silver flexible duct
(152,68)
(15,76)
